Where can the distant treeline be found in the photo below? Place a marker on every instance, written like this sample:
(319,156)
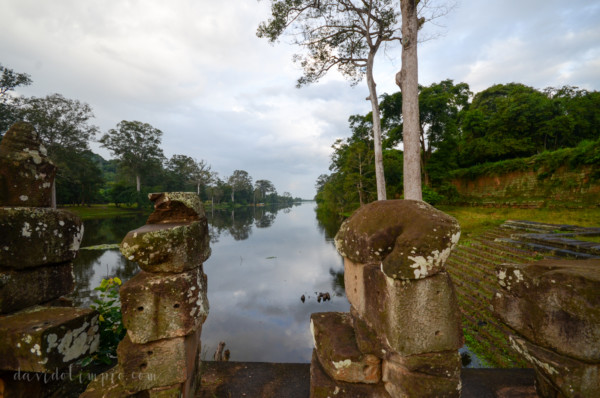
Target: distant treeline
(504,123)
(66,129)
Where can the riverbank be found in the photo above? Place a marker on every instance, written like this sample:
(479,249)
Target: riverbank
(102,210)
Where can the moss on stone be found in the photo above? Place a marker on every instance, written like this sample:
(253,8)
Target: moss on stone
(411,239)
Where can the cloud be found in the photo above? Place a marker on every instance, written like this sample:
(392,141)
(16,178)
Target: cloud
(197,71)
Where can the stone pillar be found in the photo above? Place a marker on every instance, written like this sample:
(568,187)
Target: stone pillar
(165,304)
(37,246)
(553,306)
(402,335)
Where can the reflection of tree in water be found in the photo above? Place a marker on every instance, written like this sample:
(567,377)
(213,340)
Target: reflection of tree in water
(89,268)
(337,282)
(264,217)
(328,224)
(238,222)
(110,230)
(83,271)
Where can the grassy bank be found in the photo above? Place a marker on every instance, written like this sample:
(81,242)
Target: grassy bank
(104,210)
(475,220)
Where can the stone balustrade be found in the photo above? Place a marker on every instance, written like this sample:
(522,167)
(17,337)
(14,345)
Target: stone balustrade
(402,335)
(164,305)
(553,307)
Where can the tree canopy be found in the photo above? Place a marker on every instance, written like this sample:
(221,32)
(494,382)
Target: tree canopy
(60,122)
(342,34)
(136,145)
(9,80)
(505,121)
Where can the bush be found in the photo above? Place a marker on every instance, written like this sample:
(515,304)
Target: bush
(111,323)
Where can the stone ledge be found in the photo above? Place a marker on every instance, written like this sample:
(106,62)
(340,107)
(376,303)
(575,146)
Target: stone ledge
(43,284)
(337,351)
(44,339)
(35,236)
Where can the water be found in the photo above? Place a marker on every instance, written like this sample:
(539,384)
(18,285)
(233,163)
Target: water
(263,260)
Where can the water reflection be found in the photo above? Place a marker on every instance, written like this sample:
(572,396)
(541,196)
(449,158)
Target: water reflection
(263,259)
(255,284)
(91,266)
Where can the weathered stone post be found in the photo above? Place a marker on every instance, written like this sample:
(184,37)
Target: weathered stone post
(37,246)
(553,306)
(165,304)
(402,336)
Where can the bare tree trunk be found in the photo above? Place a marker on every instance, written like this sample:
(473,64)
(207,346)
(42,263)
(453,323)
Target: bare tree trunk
(379,176)
(138,183)
(53,199)
(409,85)
(198,188)
(360,184)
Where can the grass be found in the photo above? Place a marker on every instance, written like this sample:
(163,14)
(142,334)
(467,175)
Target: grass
(476,220)
(103,210)
(587,238)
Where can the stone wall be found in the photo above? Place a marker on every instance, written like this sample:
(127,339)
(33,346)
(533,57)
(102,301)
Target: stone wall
(402,335)
(533,188)
(37,246)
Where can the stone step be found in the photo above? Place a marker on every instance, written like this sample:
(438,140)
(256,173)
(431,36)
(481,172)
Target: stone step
(498,248)
(554,251)
(498,254)
(477,260)
(291,380)
(474,269)
(482,312)
(562,242)
(469,303)
(495,233)
(538,226)
(471,285)
(338,352)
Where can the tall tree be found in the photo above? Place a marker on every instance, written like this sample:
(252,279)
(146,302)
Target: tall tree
(264,188)
(346,34)
(180,169)
(439,107)
(136,145)
(9,80)
(239,181)
(61,122)
(201,174)
(408,81)
(64,126)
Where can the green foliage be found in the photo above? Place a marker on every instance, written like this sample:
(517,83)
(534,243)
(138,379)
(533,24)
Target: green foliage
(61,122)
(111,323)
(9,80)
(432,197)
(334,33)
(546,163)
(137,146)
(513,120)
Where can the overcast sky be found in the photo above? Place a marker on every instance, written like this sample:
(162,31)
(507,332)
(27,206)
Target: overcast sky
(196,70)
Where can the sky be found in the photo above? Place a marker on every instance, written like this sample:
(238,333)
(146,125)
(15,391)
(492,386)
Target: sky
(196,70)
